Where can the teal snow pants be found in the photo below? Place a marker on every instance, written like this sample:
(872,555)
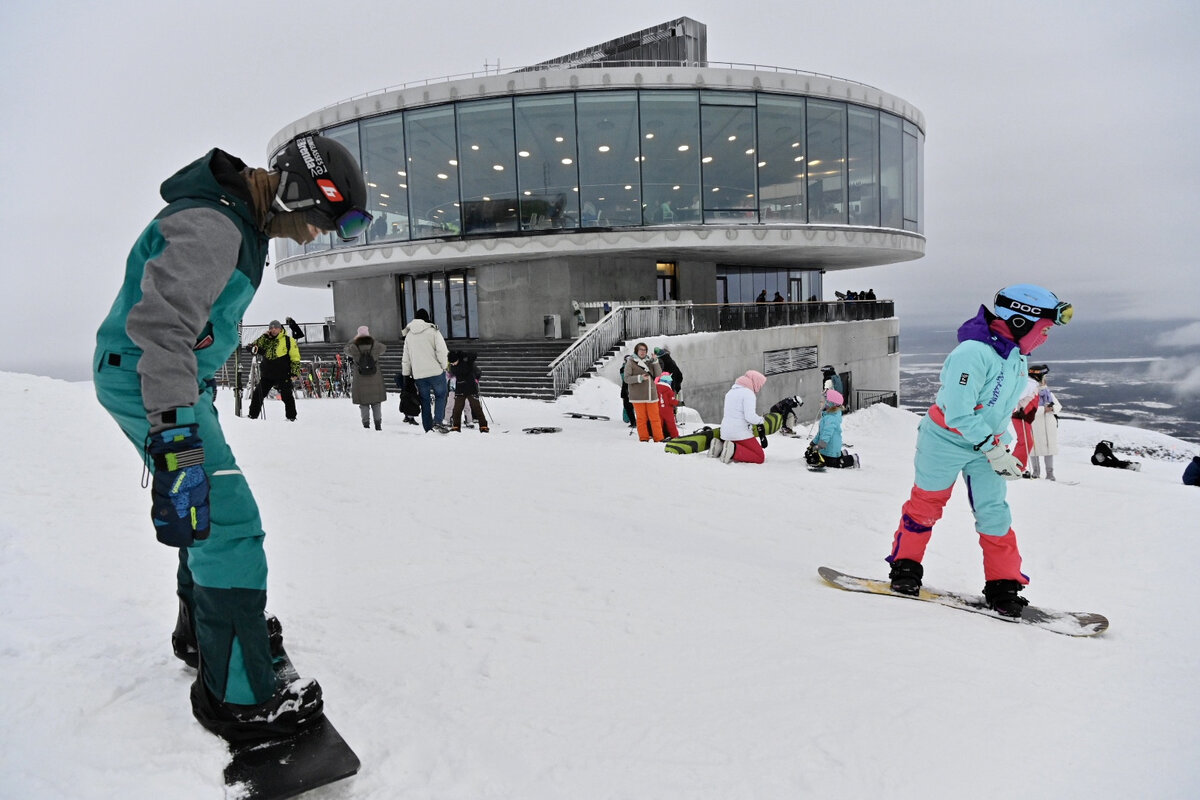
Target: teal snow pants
(222,580)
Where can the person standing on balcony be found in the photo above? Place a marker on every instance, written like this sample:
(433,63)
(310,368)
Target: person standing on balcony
(641,371)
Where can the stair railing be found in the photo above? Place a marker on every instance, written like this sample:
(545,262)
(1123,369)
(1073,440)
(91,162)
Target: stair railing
(587,349)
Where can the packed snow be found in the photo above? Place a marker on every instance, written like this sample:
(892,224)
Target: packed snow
(579,615)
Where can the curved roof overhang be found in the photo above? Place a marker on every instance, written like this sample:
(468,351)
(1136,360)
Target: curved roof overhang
(542,81)
(827,247)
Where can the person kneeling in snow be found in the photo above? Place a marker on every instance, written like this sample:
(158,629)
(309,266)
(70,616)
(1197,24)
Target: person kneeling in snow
(826,449)
(737,441)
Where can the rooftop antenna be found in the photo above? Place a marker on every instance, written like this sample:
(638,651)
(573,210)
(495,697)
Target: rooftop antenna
(487,66)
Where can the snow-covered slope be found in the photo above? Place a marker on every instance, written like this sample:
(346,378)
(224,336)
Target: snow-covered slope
(583,616)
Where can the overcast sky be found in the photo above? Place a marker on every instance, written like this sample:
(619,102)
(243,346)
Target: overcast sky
(1061,147)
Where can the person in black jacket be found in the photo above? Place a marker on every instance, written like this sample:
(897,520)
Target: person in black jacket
(466,390)
(668,364)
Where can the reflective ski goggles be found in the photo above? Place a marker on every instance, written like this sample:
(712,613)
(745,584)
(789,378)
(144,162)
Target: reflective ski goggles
(349,226)
(1060,314)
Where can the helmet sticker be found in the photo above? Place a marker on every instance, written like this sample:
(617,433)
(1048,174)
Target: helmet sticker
(330,190)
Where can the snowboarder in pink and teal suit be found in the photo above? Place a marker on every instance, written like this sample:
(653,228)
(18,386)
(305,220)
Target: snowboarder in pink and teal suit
(966,432)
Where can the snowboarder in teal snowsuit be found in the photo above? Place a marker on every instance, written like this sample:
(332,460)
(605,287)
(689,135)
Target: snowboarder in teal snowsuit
(966,432)
(188,279)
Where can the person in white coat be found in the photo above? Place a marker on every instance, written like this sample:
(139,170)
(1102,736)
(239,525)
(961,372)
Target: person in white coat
(1045,425)
(737,441)
(426,361)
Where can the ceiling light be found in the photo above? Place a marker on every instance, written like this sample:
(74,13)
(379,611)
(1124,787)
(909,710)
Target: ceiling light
(558,138)
(750,152)
(683,148)
(381,194)
(442,175)
(628,186)
(372,185)
(649,135)
(474,147)
(567,161)
(523,153)
(603,148)
(733,138)
(527,193)
(706,160)
(498,167)
(452,162)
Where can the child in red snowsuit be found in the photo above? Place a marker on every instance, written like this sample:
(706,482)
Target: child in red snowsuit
(666,405)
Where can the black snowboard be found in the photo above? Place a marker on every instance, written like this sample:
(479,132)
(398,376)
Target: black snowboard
(543,429)
(275,769)
(581,415)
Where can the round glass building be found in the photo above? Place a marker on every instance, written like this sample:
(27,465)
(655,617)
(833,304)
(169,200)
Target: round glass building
(504,197)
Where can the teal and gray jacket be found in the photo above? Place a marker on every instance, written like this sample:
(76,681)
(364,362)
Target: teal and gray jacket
(188,281)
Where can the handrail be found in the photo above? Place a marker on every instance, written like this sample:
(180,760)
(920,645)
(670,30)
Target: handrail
(641,320)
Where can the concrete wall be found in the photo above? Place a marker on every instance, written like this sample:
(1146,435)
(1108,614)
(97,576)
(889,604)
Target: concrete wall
(373,302)
(712,361)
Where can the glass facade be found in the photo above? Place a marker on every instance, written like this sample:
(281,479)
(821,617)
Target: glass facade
(559,162)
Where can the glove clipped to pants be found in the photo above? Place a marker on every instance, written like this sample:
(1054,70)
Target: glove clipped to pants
(179,492)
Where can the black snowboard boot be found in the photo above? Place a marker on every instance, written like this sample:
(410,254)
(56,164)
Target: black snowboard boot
(1002,597)
(293,706)
(906,576)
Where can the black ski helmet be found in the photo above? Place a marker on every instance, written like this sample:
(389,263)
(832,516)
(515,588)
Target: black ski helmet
(319,178)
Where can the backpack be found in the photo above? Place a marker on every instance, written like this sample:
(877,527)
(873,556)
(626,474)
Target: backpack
(366,364)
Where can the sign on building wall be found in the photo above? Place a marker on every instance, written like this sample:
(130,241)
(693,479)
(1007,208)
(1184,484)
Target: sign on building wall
(793,359)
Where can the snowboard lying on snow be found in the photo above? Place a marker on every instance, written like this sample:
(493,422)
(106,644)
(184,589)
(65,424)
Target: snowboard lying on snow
(701,440)
(274,769)
(1070,623)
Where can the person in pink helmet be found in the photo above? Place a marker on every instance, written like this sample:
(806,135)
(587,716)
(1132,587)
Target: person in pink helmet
(825,450)
(737,441)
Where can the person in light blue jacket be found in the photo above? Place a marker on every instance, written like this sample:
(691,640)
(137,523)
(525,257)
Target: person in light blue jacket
(966,432)
(825,450)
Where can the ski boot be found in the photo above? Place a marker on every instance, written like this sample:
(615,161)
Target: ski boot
(906,576)
(1002,597)
(714,449)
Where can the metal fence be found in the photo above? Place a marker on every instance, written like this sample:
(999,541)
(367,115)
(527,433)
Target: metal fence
(641,320)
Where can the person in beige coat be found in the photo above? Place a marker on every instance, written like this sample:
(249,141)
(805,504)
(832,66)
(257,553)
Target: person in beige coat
(1045,425)
(641,371)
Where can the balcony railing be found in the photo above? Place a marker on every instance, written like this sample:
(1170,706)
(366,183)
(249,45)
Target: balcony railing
(642,320)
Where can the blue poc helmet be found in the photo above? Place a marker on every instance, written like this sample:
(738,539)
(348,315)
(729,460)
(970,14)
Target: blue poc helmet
(1024,304)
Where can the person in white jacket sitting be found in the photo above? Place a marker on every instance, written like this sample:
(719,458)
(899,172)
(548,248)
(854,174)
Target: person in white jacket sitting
(737,441)
(426,361)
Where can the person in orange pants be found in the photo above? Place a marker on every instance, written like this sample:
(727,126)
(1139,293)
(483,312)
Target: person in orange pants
(641,371)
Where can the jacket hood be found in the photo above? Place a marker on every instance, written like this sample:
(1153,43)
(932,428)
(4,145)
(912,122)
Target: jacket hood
(978,329)
(418,326)
(215,177)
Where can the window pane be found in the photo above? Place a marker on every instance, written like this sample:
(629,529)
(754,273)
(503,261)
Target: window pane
(729,164)
(891,170)
(863,168)
(346,135)
(432,172)
(547,175)
(670,156)
(911,202)
(609,159)
(781,158)
(387,178)
(826,161)
(487,166)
